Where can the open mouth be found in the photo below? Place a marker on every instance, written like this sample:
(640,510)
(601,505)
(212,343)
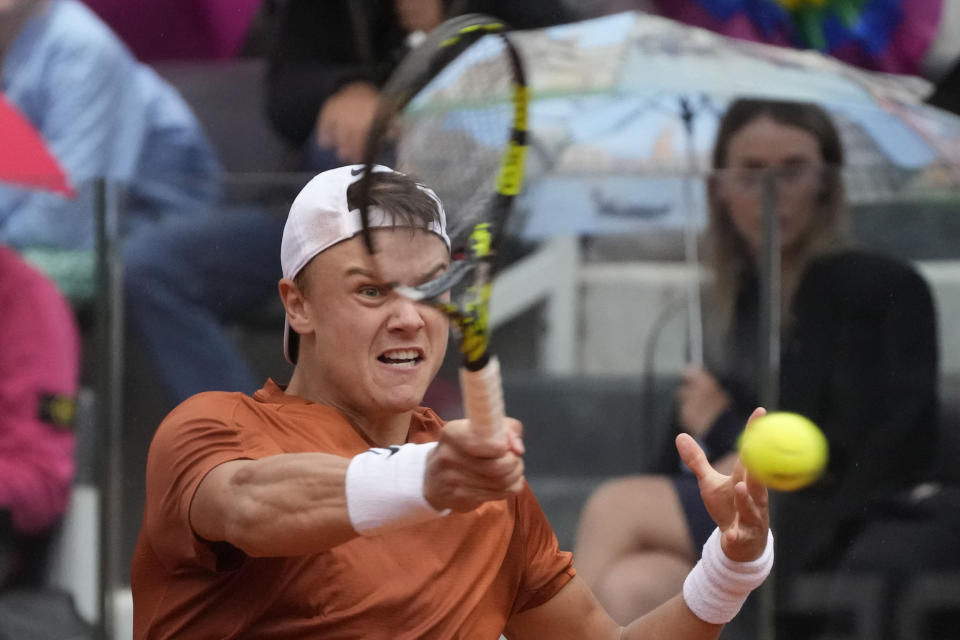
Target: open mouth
(401,357)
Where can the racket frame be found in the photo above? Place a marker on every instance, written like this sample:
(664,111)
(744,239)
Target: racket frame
(480,374)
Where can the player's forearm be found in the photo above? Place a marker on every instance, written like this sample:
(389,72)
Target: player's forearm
(295,504)
(287,505)
(672,620)
(713,592)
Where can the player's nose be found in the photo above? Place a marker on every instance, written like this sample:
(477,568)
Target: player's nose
(406,315)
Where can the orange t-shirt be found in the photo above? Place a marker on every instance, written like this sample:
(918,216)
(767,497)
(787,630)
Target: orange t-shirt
(461,576)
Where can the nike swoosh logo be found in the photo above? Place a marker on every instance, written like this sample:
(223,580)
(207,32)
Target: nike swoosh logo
(392,449)
(357,171)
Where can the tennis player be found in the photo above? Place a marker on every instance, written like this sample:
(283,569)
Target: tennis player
(336,507)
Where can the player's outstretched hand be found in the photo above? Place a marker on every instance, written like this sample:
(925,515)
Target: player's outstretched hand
(467,469)
(737,503)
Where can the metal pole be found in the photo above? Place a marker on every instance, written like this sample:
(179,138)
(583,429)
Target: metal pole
(768,266)
(109,332)
(692,255)
(691,238)
(769,270)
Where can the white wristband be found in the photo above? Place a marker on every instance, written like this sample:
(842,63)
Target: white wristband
(717,587)
(385,489)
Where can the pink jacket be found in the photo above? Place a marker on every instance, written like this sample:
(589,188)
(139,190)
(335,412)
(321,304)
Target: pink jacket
(39,362)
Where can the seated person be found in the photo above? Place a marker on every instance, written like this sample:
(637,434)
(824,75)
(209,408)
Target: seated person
(103,115)
(39,366)
(330,58)
(859,358)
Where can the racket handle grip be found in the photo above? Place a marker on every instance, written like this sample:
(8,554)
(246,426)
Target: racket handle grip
(483,398)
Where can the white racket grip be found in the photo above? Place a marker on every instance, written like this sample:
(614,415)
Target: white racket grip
(483,398)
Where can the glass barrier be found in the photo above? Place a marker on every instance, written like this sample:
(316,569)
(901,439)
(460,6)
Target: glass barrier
(849,323)
(596,318)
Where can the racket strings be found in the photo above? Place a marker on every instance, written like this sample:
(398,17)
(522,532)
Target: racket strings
(453,135)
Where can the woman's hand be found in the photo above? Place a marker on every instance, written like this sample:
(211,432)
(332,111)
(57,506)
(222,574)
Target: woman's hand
(701,400)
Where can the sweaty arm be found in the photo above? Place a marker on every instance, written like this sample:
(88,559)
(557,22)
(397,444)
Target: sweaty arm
(293,504)
(574,613)
(288,504)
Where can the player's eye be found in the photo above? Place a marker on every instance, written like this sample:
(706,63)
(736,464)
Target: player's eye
(370,291)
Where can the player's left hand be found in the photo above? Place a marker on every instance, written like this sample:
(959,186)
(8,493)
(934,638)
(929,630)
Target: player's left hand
(738,503)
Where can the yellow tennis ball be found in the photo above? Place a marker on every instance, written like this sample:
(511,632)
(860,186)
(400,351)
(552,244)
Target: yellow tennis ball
(785,451)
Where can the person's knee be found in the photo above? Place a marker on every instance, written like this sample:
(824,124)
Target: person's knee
(619,497)
(633,576)
(606,501)
(643,510)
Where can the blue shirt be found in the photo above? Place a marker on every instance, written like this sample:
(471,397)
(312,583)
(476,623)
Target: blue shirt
(102,114)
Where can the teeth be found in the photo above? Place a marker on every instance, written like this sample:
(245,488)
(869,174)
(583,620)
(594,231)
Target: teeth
(401,354)
(401,357)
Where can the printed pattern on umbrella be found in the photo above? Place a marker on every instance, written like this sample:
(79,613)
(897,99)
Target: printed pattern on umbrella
(883,35)
(625,109)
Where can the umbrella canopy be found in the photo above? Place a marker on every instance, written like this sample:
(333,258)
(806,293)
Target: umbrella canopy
(626,107)
(24,157)
(626,104)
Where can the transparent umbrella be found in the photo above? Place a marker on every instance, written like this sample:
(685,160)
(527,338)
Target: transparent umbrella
(639,96)
(625,109)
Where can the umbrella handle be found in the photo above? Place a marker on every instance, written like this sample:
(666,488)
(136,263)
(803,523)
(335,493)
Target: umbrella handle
(692,257)
(690,248)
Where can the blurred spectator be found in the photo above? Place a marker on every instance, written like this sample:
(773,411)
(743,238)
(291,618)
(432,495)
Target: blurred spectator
(859,358)
(179,29)
(39,362)
(103,115)
(330,58)
(185,279)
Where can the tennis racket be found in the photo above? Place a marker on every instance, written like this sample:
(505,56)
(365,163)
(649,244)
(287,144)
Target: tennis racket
(453,116)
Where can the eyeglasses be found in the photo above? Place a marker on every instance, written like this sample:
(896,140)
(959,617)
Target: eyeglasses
(787,176)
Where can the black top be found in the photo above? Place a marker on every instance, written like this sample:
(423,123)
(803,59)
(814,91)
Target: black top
(860,360)
(320,45)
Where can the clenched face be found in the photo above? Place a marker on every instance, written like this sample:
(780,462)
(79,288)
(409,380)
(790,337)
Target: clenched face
(373,352)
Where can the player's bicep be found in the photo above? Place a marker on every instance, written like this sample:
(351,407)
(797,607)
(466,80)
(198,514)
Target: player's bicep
(573,613)
(210,508)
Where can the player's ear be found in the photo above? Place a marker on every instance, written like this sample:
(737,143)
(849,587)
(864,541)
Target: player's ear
(295,304)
